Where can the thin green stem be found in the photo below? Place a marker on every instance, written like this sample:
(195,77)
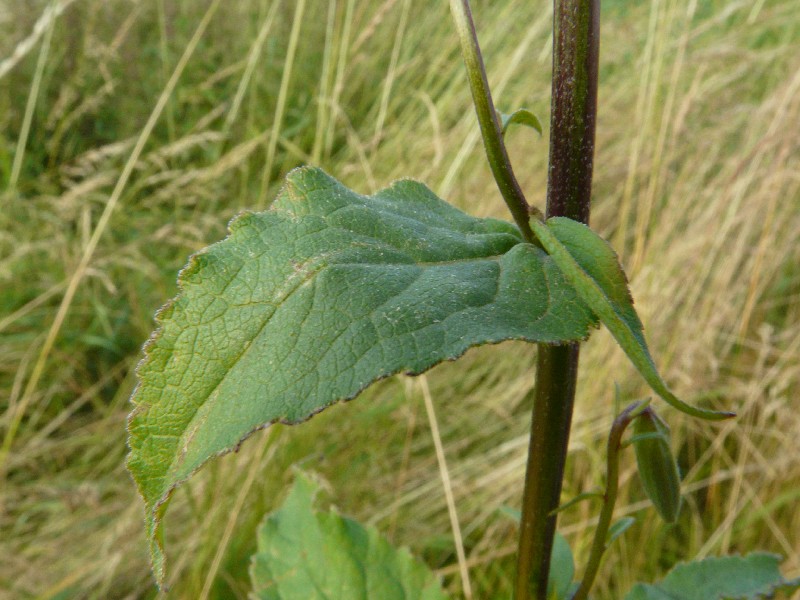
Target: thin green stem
(487,118)
(572,127)
(600,544)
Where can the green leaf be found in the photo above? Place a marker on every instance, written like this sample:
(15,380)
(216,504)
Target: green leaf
(592,266)
(618,528)
(562,569)
(521,116)
(305,555)
(752,577)
(310,302)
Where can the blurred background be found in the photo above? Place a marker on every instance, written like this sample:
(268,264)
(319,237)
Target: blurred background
(131,131)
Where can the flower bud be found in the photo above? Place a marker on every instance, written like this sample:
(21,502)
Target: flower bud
(657,467)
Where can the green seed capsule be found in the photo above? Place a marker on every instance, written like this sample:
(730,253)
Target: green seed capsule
(657,467)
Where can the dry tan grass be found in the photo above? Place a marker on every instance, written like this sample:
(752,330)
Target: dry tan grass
(697,184)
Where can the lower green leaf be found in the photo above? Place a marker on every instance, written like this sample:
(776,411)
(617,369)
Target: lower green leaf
(752,577)
(562,569)
(592,266)
(308,555)
(618,528)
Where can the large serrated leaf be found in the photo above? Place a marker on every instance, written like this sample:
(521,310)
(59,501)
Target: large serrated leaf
(752,577)
(592,266)
(308,303)
(306,555)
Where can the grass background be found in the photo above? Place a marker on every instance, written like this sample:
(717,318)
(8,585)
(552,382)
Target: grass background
(132,131)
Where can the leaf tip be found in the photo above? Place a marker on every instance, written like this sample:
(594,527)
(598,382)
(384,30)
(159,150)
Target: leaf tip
(703,413)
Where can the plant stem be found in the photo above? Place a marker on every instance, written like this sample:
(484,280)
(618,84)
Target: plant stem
(576,37)
(487,118)
(599,544)
(572,124)
(556,371)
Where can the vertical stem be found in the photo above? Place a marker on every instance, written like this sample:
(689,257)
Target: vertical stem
(576,36)
(572,125)
(556,372)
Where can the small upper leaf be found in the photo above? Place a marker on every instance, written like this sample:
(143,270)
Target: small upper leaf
(591,265)
(308,303)
(305,555)
(521,116)
(619,527)
(751,577)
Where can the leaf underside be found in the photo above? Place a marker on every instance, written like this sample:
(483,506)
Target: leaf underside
(308,303)
(307,555)
(752,577)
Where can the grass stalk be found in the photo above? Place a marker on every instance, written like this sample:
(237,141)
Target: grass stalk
(33,96)
(88,252)
(280,107)
(447,485)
